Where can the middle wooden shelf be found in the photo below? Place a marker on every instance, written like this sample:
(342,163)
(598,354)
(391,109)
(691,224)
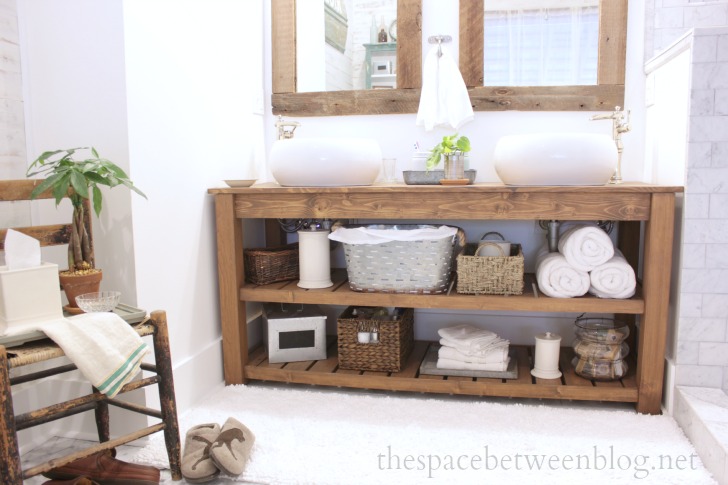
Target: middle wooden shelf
(530,300)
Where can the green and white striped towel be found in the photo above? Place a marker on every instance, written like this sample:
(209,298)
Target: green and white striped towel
(104,347)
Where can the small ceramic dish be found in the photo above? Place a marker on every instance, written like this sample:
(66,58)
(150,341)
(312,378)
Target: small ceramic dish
(240,183)
(100,301)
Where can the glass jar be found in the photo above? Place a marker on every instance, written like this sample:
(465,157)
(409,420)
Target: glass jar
(454,166)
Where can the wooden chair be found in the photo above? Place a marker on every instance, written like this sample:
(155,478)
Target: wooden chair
(11,472)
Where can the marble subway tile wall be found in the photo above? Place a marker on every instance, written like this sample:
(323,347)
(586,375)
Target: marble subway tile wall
(666,20)
(702,349)
(12,129)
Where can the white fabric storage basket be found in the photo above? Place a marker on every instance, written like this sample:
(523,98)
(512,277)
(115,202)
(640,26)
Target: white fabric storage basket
(403,264)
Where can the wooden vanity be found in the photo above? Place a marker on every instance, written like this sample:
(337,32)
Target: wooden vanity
(632,204)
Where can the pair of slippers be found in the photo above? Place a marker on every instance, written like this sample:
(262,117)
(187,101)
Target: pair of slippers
(210,449)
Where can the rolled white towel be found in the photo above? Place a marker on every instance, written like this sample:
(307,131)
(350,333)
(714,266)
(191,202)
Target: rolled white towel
(559,279)
(493,356)
(468,337)
(585,247)
(457,365)
(613,279)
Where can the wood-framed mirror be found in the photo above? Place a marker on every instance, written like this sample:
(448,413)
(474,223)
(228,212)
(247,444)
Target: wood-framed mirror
(405,98)
(607,93)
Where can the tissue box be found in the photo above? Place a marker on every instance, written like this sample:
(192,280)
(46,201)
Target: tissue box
(29,296)
(295,332)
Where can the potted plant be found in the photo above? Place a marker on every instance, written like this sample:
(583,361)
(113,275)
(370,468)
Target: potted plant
(451,148)
(78,179)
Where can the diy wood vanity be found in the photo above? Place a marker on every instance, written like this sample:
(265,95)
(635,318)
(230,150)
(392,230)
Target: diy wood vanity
(632,204)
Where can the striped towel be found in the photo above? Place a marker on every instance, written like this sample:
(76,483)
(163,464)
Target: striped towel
(104,347)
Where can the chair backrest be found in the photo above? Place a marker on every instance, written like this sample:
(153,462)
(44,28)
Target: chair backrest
(52,235)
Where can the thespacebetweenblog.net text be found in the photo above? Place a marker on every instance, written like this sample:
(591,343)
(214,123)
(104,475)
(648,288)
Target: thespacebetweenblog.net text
(639,466)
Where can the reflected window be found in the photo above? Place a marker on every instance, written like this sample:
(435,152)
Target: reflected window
(529,44)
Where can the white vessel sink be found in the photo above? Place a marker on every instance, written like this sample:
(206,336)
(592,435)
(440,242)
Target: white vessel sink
(325,162)
(555,159)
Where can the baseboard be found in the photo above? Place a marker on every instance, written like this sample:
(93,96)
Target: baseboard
(668,389)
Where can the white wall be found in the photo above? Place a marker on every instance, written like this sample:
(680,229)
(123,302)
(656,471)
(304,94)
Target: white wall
(169,91)
(74,95)
(194,74)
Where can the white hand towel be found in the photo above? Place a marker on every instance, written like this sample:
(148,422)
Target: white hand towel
(493,356)
(613,279)
(480,351)
(457,365)
(104,347)
(559,279)
(468,336)
(585,247)
(444,99)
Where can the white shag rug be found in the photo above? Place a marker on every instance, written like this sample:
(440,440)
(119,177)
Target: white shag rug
(324,436)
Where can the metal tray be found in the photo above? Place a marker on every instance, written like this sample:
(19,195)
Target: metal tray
(433,177)
(130,314)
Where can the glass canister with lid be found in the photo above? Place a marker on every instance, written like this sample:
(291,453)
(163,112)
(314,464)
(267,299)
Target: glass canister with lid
(600,348)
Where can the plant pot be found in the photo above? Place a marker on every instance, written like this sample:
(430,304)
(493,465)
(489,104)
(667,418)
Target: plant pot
(78,284)
(454,166)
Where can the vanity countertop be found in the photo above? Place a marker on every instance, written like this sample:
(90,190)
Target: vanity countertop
(487,187)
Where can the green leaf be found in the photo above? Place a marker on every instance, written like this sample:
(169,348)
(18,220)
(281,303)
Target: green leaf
(96,154)
(61,187)
(97,200)
(79,183)
(463,144)
(45,185)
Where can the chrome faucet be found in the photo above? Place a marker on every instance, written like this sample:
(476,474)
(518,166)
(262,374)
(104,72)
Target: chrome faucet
(286,128)
(619,126)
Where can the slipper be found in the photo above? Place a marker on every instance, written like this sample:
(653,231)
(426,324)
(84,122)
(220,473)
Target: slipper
(197,467)
(231,449)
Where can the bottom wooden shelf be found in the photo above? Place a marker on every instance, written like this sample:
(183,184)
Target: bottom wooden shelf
(327,373)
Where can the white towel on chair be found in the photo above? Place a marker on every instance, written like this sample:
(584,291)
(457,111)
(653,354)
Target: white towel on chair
(613,279)
(444,99)
(104,347)
(585,247)
(559,279)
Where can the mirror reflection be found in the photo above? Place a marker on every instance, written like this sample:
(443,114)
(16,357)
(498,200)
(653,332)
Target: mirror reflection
(346,45)
(541,43)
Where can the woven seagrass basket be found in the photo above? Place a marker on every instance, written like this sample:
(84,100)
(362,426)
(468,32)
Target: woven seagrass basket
(490,275)
(268,265)
(420,266)
(396,339)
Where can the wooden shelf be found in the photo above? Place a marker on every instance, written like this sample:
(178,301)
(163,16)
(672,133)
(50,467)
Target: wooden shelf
(340,294)
(327,372)
(645,213)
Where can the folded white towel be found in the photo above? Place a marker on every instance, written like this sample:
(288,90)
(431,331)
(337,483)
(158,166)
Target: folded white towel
(559,279)
(481,351)
(104,347)
(469,337)
(492,356)
(444,99)
(457,365)
(586,246)
(613,279)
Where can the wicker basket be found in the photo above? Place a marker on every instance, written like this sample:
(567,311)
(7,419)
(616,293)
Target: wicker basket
(421,267)
(490,275)
(268,265)
(396,339)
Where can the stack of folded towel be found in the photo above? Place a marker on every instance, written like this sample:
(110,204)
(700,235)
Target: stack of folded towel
(586,261)
(466,347)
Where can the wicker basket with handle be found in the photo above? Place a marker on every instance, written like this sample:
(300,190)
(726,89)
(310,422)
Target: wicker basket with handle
(490,275)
